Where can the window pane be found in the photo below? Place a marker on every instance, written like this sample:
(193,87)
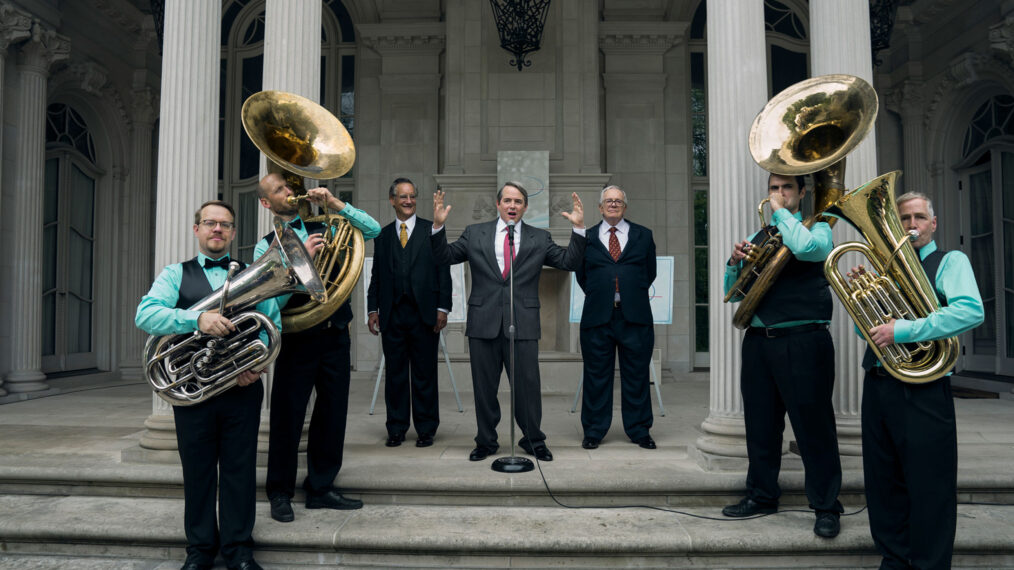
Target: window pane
(82,202)
(787,68)
(701,323)
(49,324)
(249,156)
(701,275)
(51,203)
(984,335)
(701,218)
(246,228)
(981,208)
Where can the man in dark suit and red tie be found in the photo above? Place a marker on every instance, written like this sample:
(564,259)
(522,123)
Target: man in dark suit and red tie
(486,248)
(618,269)
(408,301)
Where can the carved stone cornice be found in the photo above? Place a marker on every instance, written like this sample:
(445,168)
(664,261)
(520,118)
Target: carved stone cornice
(15,26)
(403,38)
(144,107)
(640,37)
(45,48)
(1001,39)
(908,99)
(965,70)
(91,77)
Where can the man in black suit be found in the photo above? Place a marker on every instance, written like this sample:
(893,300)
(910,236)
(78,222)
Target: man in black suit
(619,267)
(486,247)
(408,301)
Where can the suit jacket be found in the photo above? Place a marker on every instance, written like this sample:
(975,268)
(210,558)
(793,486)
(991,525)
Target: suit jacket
(429,281)
(488,302)
(635,271)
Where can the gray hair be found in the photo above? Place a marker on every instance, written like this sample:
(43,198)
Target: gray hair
(602,195)
(912,196)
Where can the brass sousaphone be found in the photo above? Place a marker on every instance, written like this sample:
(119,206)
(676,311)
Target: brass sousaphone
(303,139)
(808,128)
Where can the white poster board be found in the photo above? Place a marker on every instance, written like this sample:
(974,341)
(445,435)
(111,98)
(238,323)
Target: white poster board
(659,294)
(457,314)
(531,170)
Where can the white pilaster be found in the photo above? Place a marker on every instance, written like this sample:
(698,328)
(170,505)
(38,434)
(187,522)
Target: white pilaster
(834,52)
(15,26)
(136,198)
(737,90)
(188,151)
(36,57)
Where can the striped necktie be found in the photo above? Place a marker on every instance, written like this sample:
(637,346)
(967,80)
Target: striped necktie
(404,234)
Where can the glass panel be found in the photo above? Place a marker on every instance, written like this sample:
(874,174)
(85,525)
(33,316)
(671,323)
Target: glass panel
(780,18)
(79,265)
(701,217)
(699,25)
(249,156)
(82,202)
(223,82)
(49,324)
(348,94)
(787,68)
(254,33)
(701,324)
(701,275)
(344,20)
(49,257)
(1007,170)
(79,324)
(246,228)
(980,194)
(984,336)
(51,202)
(698,110)
(1009,324)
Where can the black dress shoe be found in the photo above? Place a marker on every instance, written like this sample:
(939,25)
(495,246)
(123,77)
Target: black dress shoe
(424,441)
(247,565)
(646,442)
(395,439)
(188,565)
(481,452)
(332,500)
(748,508)
(827,525)
(540,451)
(281,509)
(590,443)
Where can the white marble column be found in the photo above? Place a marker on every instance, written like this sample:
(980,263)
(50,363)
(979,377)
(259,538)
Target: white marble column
(15,26)
(136,198)
(910,102)
(737,90)
(35,58)
(835,52)
(188,152)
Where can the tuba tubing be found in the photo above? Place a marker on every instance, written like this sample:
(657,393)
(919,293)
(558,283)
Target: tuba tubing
(900,289)
(186,369)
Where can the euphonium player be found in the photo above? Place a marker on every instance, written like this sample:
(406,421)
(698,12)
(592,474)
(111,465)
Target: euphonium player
(910,446)
(217,437)
(315,358)
(788,367)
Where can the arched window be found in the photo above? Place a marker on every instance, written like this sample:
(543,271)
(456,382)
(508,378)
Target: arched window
(986,173)
(68,293)
(242,71)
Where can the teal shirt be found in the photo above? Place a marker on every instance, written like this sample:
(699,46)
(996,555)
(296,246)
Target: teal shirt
(812,244)
(358,218)
(955,281)
(157,314)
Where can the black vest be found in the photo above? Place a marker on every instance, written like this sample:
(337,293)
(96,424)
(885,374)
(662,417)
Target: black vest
(402,269)
(194,284)
(800,293)
(340,318)
(930,266)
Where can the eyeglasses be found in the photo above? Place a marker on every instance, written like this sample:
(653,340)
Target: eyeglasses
(612,202)
(210,224)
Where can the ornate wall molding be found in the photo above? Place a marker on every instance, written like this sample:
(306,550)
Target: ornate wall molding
(640,37)
(15,26)
(964,70)
(45,48)
(908,99)
(91,78)
(1001,39)
(407,38)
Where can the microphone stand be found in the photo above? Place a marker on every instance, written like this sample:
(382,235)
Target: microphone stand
(512,464)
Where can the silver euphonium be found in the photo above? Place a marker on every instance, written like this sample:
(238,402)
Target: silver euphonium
(186,369)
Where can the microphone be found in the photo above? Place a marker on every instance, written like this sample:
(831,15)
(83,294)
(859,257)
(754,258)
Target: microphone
(510,230)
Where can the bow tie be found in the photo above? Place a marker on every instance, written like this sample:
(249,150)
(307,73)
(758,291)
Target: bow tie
(296,224)
(223,263)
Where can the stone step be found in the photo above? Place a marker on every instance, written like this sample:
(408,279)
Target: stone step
(428,536)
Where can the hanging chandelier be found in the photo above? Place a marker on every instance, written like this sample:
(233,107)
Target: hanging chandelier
(520,24)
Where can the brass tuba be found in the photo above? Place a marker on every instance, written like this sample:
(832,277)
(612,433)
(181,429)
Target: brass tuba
(808,128)
(303,139)
(187,369)
(899,289)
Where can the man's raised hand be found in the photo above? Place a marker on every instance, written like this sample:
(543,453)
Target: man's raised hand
(576,215)
(440,211)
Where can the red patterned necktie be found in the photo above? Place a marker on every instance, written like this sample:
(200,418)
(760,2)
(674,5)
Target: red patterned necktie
(614,244)
(506,254)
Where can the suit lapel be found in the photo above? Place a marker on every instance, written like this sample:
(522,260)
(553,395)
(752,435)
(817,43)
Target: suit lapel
(486,244)
(416,239)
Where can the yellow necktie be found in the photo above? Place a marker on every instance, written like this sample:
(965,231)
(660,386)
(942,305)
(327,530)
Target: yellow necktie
(404,235)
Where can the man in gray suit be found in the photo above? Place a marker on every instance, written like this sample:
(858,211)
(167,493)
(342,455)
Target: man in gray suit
(486,246)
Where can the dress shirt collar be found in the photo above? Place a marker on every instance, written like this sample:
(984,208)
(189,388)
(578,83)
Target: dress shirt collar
(409,225)
(501,226)
(927,249)
(201,257)
(622,227)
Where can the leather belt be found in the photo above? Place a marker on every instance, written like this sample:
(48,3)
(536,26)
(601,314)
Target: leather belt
(772,332)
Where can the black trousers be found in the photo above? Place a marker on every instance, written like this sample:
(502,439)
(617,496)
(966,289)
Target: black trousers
(910,466)
(316,359)
(599,348)
(489,358)
(791,374)
(217,440)
(410,353)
